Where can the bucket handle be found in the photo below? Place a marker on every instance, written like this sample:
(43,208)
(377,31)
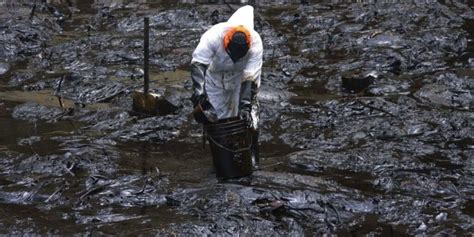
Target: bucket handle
(228,149)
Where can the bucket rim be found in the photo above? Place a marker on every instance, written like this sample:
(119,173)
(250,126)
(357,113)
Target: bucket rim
(218,144)
(219,124)
(226,126)
(233,127)
(231,133)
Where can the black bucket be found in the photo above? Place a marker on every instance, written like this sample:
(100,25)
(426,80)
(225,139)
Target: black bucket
(230,143)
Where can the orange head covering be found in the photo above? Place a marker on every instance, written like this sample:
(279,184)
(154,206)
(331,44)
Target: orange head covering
(230,34)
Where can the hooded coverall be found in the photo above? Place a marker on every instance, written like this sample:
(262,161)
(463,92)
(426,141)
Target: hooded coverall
(224,77)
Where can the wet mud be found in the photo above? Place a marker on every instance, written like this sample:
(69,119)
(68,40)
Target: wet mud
(366,121)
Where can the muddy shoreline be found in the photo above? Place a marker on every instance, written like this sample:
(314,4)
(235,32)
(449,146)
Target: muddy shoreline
(394,157)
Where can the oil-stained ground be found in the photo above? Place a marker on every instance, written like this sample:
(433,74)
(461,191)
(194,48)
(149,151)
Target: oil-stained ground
(392,157)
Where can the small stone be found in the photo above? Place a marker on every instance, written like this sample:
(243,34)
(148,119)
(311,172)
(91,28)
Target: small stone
(29,141)
(422,227)
(441,216)
(4,67)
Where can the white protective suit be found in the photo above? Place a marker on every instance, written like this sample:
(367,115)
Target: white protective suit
(224,77)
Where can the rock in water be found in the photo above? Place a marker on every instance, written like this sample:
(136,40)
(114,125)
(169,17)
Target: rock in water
(4,67)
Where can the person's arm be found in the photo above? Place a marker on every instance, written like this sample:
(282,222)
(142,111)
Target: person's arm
(202,57)
(251,78)
(198,76)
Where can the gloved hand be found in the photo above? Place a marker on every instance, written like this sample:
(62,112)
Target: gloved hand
(199,115)
(245,115)
(203,111)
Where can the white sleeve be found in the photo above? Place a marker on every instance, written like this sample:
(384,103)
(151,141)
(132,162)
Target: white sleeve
(207,47)
(253,68)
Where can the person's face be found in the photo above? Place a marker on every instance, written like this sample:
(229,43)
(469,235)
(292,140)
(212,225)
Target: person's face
(238,47)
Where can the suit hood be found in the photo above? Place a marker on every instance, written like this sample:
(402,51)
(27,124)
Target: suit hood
(243,16)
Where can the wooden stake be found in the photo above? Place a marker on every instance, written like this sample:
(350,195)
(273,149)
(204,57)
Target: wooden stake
(146,54)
